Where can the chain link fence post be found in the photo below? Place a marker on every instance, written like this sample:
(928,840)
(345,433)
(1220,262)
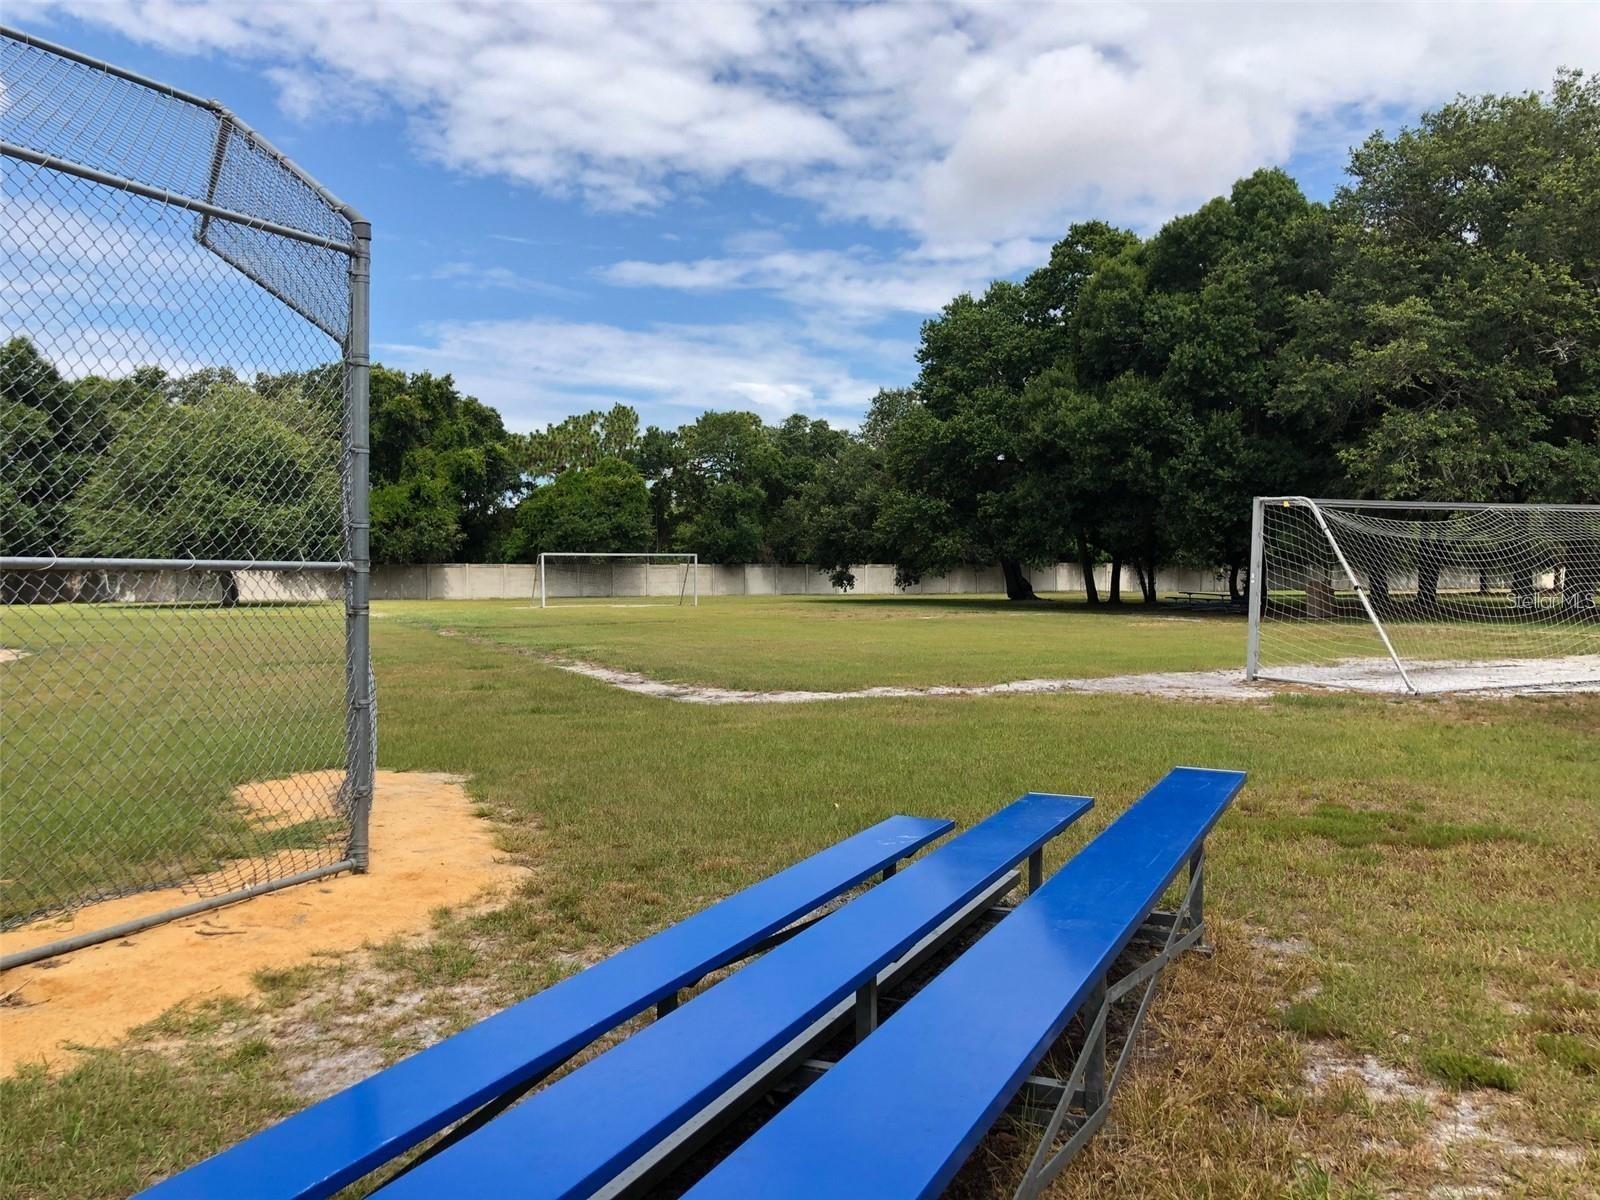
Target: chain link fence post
(362,761)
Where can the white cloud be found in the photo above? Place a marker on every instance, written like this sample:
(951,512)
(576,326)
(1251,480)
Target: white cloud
(476,277)
(966,121)
(539,370)
(973,132)
(103,282)
(841,284)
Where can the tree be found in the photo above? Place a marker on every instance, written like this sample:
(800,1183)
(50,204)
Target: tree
(224,473)
(601,509)
(840,509)
(723,486)
(1460,334)
(726,524)
(444,471)
(52,431)
(1224,297)
(581,441)
(659,457)
(803,446)
(34,401)
(1102,460)
(955,491)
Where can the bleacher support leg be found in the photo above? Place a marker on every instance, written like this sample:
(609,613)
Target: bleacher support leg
(1195,905)
(1085,1098)
(1035,870)
(666,1004)
(866,1008)
(1094,1050)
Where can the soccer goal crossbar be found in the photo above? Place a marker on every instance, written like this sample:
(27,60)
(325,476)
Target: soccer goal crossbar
(1415,596)
(631,579)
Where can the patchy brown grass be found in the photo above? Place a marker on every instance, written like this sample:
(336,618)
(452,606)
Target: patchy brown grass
(1420,876)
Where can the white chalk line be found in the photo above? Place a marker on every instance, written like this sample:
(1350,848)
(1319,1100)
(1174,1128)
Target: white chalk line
(1179,685)
(1183,685)
(1227,684)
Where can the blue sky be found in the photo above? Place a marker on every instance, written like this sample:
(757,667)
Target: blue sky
(730,205)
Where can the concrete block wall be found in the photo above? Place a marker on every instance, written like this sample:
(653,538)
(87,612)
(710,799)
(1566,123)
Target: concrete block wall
(519,581)
(199,587)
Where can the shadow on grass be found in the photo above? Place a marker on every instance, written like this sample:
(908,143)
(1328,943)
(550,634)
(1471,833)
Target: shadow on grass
(1073,604)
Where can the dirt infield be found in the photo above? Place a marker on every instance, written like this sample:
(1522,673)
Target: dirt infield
(428,850)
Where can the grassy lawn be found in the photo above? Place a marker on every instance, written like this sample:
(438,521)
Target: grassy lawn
(1410,881)
(833,644)
(126,727)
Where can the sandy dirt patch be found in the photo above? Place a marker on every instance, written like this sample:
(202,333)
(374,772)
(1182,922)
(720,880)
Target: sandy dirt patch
(280,803)
(1229,684)
(1182,685)
(1506,676)
(1173,685)
(1465,1129)
(428,850)
(8,655)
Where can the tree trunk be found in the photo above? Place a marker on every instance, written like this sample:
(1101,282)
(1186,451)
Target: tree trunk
(1429,556)
(1378,586)
(1581,581)
(1233,583)
(1145,573)
(1116,581)
(1086,563)
(230,589)
(1017,585)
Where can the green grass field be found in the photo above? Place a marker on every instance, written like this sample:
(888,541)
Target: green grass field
(831,644)
(126,726)
(1411,882)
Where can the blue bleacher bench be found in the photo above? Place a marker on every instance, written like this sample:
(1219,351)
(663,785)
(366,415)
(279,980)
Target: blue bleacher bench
(965,1044)
(342,1138)
(803,1016)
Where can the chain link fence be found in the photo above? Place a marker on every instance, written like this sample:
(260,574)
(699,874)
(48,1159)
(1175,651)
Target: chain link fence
(184,678)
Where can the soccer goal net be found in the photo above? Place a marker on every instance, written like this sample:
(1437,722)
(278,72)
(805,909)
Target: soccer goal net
(621,579)
(1415,597)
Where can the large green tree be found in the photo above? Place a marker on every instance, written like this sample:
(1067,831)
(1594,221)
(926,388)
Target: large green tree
(445,473)
(602,509)
(212,469)
(580,441)
(52,432)
(955,492)
(1456,349)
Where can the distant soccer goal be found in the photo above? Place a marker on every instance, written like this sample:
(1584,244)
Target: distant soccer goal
(1416,597)
(619,579)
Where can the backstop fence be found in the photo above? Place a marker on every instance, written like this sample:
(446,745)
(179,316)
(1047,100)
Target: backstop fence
(185,689)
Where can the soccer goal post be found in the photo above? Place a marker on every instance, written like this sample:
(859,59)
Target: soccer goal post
(1407,596)
(622,579)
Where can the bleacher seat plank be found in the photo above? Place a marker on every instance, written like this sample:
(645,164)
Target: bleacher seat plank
(340,1139)
(901,1112)
(583,1130)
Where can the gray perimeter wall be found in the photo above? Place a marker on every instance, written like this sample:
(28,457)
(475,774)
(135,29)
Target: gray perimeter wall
(519,581)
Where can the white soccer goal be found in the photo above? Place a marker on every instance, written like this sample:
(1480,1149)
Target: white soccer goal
(622,579)
(1417,597)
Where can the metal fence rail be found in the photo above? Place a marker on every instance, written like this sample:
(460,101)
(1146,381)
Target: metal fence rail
(185,685)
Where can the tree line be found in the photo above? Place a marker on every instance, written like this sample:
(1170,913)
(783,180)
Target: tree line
(1432,332)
